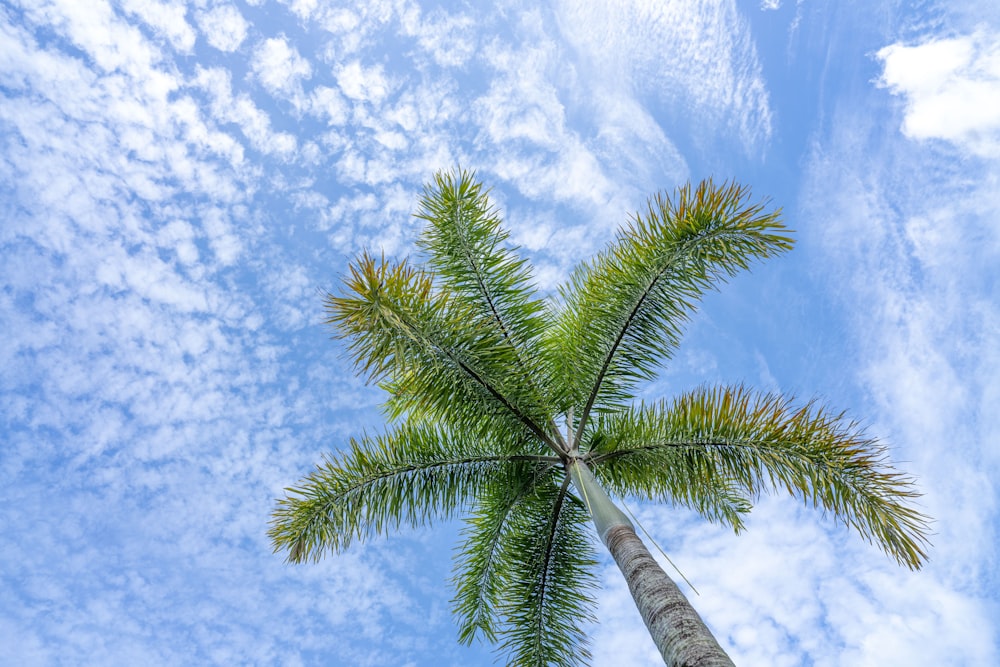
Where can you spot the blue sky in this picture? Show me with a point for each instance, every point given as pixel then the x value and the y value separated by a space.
pixel 179 182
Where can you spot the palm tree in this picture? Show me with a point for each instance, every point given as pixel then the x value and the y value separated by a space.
pixel 520 414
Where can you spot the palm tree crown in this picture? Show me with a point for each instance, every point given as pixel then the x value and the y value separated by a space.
pixel 518 412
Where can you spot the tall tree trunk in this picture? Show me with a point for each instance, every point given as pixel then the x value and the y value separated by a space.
pixel 678 631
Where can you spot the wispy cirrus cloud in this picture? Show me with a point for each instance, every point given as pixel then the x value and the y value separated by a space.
pixel 898 218
pixel 690 56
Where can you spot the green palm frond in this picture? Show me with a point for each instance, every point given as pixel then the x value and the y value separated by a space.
pixel 628 459
pixel 467 248
pixel 547 597
pixel 436 358
pixel 482 565
pixel 623 311
pixel 409 476
pixel 525 572
pixel 760 443
pixel 469 253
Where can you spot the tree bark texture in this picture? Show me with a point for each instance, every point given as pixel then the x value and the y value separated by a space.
pixel 678 631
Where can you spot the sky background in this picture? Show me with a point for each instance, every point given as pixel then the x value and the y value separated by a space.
pixel 179 183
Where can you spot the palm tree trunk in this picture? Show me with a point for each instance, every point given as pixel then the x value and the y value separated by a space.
pixel 678 631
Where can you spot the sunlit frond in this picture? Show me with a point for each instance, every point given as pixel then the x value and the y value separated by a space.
pixel 467 249
pixel 436 357
pixel 632 463
pixel 408 476
pixel 622 312
pixel 752 442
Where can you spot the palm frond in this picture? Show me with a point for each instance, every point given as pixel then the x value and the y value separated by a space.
pixel 482 565
pixel 467 249
pixel 752 443
pixel 622 313
pixel 628 459
pixel 408 476
pixel 437 359
pixel 547 595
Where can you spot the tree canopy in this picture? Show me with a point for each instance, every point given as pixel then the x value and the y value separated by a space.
pixel 494 393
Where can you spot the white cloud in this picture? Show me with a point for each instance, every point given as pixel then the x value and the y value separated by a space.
pixel 522 105
pixel 304 9
pixel 222 236
pixel 364 84
pixel 241 110
pixel 951 89
pixel 910 238
pixel 281 69
pixel 450 39
pixel 112 43
pixel 326 103
pixel 166 19
pixel 223 26
pixel 523 119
